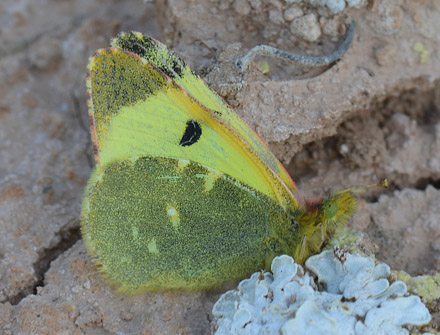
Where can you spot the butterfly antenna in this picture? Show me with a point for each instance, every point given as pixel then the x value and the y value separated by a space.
pixel 361 189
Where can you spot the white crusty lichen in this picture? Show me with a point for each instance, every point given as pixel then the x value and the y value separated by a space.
pixel 350 295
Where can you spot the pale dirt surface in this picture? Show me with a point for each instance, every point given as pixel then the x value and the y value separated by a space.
pixel 375 113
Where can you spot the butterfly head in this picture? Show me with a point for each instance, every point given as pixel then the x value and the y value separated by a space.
pixel 319 218
pixel 337 208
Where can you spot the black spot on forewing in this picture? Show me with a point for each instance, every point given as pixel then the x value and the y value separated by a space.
pixel 192 133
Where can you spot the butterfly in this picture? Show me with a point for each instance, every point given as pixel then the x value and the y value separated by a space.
pixel 185 195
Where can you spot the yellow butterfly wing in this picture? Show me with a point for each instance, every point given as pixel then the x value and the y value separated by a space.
pixel 151 224
pixel 174 67
pixel 184 194
pixel 136 110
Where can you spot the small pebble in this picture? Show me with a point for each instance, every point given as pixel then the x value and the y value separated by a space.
pixel 307 27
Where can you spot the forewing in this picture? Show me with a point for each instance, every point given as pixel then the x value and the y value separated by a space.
pixel 174 67
pixel 136 110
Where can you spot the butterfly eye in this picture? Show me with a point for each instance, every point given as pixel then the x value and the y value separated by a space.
pixel 330 208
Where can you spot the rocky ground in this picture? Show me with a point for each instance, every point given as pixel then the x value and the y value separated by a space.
pixel 374 114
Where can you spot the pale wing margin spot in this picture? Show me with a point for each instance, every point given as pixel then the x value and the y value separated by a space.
pixel 209 179
pixel 152 246
pixel 182 163
pixel 135 232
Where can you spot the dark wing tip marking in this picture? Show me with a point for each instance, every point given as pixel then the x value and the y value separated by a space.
pixel 192 133
pixel 141 46
pixel 153 51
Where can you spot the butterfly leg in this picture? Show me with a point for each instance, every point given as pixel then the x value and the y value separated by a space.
pixel 302 253
pixel 322 235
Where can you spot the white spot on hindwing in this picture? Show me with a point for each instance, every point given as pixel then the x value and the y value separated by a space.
pixel 173 214
pixel 172 211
